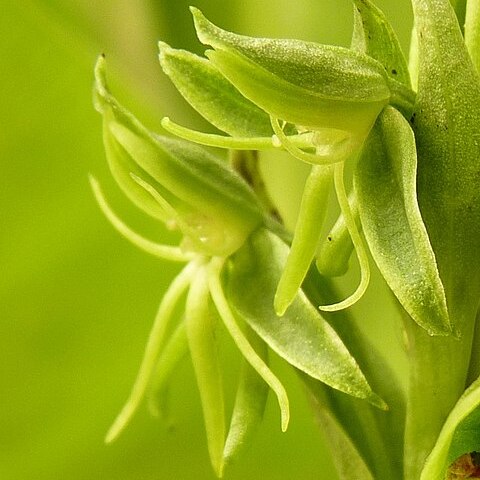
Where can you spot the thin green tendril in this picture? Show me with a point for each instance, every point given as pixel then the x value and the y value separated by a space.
pixel 166 252
pixel 154 346
pixel 334 154
pixel 237 143
pixel 221 303
pixel 175 349
pixel 357 243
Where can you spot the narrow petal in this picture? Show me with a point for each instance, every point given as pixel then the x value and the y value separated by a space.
pixel 154 346
pixel 307 233
pixel 200 323
pixel 166 252
pixel 242 343
pixel 357 243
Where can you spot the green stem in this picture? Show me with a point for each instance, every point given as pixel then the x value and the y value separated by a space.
pixel 246 163
pixel 438 374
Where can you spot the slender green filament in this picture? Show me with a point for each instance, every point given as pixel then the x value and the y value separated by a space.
pixel 237 143
pixel 154 347
pixel 221 303
pixel 357 243
pixel 166 252
pixel 325 154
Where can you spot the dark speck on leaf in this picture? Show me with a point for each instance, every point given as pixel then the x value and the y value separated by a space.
pixel 329 238
pixel 394 72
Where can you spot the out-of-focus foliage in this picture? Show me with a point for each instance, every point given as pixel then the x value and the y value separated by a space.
pixel 76 301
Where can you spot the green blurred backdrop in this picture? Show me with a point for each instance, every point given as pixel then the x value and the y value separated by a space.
pixel 76 300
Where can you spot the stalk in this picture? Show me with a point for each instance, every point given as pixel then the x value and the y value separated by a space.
pixel 438 374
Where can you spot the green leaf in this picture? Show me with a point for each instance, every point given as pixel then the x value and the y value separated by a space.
pixel 374 36
pixel 385 183
pixel 459 435
pixel 212 95
pixel 447 116
pixel 300 82
pixel 347 458
pixel 445 121
pixel 209 202
pixel 369 427
pixel 302 337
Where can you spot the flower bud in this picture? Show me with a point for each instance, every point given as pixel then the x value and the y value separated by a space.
pixel 194 191
pixel 304 83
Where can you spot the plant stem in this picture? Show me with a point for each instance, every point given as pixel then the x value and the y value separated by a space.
pixel 438 374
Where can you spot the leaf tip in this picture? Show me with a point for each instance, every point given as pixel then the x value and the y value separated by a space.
pixel 203 26
pixel 100 85
pixel 378 402
pixel 165 51
pixel 219 468
pixel 285 420
pixel 444 330
pixel 443 327
pixel 280 303
pixel 113 432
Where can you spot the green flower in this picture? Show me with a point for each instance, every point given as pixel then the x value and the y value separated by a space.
pixel 224 233
pixel 321 102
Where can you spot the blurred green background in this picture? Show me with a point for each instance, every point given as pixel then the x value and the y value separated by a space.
pixel 76 300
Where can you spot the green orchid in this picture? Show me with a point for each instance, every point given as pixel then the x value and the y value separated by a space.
pixel 221 222
pixel 329 97
pixel 353 116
